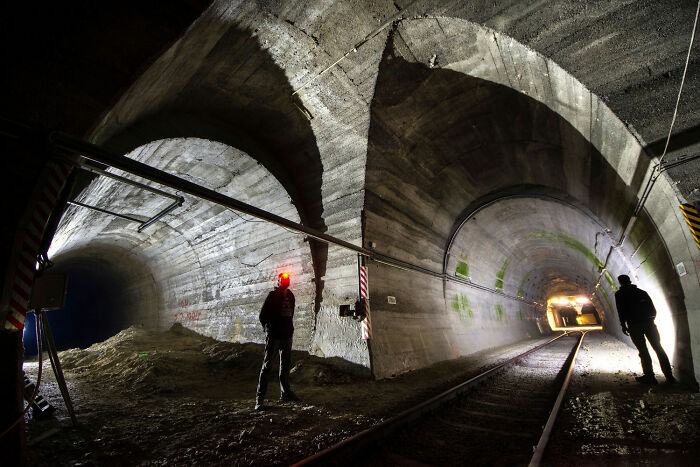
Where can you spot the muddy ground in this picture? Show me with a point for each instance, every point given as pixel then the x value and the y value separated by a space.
pixel 179 398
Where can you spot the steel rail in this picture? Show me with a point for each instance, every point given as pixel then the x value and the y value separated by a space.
pixel 536 459
pixel 95 153
pixel 386 428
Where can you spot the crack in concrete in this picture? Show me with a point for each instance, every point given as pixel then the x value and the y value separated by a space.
pixel 505 68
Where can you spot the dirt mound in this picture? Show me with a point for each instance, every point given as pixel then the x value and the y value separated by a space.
pixel 174 360
pixel 162 361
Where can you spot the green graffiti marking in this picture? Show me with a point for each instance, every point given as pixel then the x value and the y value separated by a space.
pixel 499 311
pixel 462 269
pixel 572 243
pixel 610 281
pixel 501 274
pixel 461 306
pixel 520 312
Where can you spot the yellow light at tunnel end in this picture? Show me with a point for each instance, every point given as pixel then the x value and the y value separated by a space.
pixel 572 301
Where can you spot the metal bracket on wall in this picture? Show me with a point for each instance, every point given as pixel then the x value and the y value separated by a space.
pixel 178 200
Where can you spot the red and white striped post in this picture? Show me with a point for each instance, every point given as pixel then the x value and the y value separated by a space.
pixel 364 295
pixel 28 241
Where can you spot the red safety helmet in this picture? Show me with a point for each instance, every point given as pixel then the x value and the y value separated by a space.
pixel 283 279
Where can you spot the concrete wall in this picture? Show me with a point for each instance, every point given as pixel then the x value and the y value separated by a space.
pixel 432 320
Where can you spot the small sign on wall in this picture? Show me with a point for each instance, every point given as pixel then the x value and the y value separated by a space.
pixel 391 300
pixel 680 267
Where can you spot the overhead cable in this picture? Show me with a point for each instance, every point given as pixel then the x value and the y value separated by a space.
pixel 656 171
pixel 357 46
pixel 658 168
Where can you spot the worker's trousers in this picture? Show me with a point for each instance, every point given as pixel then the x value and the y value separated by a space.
pixel 284 348
pixel 647 328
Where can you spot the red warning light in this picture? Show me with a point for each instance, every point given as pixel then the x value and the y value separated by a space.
pixel 285 275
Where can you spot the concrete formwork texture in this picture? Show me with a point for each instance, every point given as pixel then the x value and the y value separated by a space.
pixel 494 152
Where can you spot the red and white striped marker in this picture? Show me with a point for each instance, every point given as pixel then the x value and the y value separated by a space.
pixel 29 240
pixel 364 295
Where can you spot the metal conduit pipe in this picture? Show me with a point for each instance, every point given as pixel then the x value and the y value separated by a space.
pixel 105 211
pixel 90 151
pixel 129 182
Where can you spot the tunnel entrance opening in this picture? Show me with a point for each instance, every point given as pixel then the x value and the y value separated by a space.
pixel 102 286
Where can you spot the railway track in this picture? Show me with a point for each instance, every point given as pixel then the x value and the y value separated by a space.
pixel 499 417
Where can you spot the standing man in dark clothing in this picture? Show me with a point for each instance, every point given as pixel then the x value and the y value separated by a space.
pixel 277 318
pixel 637 315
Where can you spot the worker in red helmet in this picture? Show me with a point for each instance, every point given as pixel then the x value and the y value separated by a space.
pixel 277 319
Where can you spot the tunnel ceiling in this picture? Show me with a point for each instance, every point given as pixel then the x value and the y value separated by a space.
pixel 629 53
pixel 441 140
pixel 443 144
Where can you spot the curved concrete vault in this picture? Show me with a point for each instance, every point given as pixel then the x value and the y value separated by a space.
pixel 211 267
pixel 450 146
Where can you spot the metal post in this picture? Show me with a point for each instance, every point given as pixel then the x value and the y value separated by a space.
pixel 56 364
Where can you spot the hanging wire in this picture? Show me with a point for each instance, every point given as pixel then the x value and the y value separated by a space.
pixel 657 169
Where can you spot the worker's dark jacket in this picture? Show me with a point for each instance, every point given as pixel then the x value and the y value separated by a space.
pixel 277 314
pixel 634 305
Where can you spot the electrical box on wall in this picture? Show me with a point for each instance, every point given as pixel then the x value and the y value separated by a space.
pixel 357 313
pixel 49 292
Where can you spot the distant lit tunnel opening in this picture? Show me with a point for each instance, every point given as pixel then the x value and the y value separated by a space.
pixel 572 312
pixel 552 253
pixel 100 293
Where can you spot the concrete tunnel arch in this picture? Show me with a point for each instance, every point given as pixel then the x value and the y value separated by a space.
pixel 211 268
pixel 449 129
pixel 559 91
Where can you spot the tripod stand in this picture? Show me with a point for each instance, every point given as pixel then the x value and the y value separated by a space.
pixel 45 328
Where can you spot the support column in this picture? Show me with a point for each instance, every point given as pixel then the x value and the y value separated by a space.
pixel 12 445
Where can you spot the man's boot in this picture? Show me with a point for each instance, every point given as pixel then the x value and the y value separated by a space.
pixel 646 379
pixel 288 396
pixel 259 403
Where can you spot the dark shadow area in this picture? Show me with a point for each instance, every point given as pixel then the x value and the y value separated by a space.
pixel 104 295
pixel 90 313
pixel 67 63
